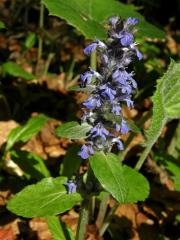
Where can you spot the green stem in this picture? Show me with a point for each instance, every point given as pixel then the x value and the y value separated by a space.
pixel 143 157
pixel 108 220
pixel 41 25
pixel 47 64
pixel 93 60
pixel 102 210
pixel 83 220
pixel 146 151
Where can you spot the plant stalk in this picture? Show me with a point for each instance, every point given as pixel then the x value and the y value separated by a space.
pixel 83 220
pixel 41 26
pixel 102 210
pixel 108 220
pixel 93 60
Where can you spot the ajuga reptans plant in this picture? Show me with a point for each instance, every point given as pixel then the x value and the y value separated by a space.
pixel 110 87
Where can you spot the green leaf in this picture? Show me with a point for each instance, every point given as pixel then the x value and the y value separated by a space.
pixel 166 105
pixel 71 162
pixel 16 70
pixel 46 198
pixel 30 40
pixel 32 165
pixel 73 130
pixel 59 230
pixel 89 16
pixel 137 185
pixel 166 89
pixel 56 228
pixel 109 172
pixel 2 25
pixel 24 133
pixel 171 91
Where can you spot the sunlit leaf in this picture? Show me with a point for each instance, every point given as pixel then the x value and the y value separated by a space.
pixel 89 16
pixel 25 132
pixel 73 130
pixel 16 70
pixel 46 198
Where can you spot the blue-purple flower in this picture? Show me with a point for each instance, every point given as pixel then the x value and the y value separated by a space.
pixel 86 151
pixel 71 186
pixel 126 38
pixel 112 86
pixel 93 46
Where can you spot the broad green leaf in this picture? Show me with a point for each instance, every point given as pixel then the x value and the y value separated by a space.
pixel 89 16
pixel 24 133
pixel 166 105
pixel 16 70
pixel 2 25
pixel 30 40
pixel 73 130
pixel 109 172
pixel 46 198
pixel 164 95
pixel 71 162
pixel 32 165
pixel 56 228
pixel 137 185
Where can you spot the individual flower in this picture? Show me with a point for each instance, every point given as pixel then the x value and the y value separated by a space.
pixel 126 38
pixel 86 151
pixel 124 127
pixel 71 186
pixel 86 78
pixel 92 47
pixel 99 131
pixel 132 21
pixel 107 91
pixel 93 102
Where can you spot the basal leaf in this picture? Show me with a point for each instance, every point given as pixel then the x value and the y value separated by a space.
pixel 73 130
pixel 46 198
pixel 89 16
pixel 32 165
pixel 24 133
pixel 109 172
pixel 16 70
pixel 137 185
